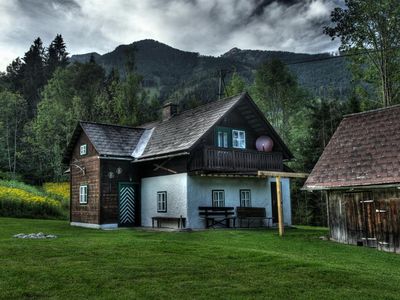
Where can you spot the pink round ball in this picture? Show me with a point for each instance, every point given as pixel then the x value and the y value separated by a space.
pixel 264 143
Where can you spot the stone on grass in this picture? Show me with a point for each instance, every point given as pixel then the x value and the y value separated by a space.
pixel 39 235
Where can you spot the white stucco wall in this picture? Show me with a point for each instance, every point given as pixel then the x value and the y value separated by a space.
pixel 287 205
pixel 176 187
pixel 186 193
pixel 200 194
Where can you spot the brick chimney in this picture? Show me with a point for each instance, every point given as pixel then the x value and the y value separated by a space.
pixel 169 110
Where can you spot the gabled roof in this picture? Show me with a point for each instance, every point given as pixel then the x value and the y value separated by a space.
pixel 178 134
pixel 182 131
pixel 365 150
pixel 108 140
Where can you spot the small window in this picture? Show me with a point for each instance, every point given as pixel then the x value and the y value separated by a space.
pixel 239 139
pixel 161 201
pixel 83 149
pixel 245 198
pixel 223 137
pixel 218 198
pixel 83 194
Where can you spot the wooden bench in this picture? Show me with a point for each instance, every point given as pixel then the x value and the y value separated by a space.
pixel 217 216
pixel 252 214
pixel 180 221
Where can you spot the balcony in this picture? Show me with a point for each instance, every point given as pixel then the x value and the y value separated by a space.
pixel 234 160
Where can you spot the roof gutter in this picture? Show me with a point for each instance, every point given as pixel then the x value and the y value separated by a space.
pixel 350 188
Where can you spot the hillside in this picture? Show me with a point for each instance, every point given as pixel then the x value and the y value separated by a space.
pixel 175 73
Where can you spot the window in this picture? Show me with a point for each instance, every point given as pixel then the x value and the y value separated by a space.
pixel 161 201
pixel 245 198
pixel 223 137
pixel 83 149
pixel 218 198
pixel 83 194
pixel 238 139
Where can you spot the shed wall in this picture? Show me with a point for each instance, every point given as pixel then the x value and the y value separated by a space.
pixel 368 218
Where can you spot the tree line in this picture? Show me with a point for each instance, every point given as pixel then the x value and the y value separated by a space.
pixel 43 97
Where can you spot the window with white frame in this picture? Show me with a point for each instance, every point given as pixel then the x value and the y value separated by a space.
pixel 83 149
pixel 161 201
pixel 239 139
pixel 245 198
pixel 218 198
pixel 83 194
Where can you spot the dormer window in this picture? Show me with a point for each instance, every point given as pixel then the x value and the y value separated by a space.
pixel 239 139
pixel 83 149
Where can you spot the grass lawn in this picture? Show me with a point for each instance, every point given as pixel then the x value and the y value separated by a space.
pixel 87 263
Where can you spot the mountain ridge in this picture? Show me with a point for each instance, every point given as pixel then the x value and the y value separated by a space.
pixel 174 74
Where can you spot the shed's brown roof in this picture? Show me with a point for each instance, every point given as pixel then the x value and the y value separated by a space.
pixel 365 150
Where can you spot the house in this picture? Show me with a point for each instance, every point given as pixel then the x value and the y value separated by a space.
pixel 359 171
pixel 206 156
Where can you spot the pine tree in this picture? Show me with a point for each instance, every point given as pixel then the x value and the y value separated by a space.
pixel 57 55
pixel 236 85
pixel 33 75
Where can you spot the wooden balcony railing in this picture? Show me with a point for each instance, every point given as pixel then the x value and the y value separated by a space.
pixel 234 160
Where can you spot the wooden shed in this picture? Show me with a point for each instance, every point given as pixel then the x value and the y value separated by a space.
pixel 359 171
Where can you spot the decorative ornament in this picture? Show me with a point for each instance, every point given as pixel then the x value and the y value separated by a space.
pixel 119 170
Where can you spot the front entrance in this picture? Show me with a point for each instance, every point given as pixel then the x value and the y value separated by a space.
pixel 127 204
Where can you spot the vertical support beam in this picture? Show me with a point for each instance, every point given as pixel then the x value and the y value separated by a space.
pixel 279 200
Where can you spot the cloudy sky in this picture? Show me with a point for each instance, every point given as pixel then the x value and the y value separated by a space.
pixel 210 27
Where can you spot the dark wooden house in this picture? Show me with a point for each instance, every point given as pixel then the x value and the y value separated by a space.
pixel 360 172
pixel 128 176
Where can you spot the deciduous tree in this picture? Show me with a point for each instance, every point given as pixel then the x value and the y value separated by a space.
pixel 370 30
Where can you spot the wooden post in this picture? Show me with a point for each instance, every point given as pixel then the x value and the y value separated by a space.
pixel 280 212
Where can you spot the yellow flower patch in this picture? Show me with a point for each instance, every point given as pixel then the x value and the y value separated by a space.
pixel 10 193
pixel 59 189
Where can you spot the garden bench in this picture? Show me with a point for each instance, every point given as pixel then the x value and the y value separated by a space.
pixel 252 214
pixel 180 221
pixel 217 216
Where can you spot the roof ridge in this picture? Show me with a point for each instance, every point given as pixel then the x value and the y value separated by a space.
pixel 372 111
pixel 111 125
pixel 211 102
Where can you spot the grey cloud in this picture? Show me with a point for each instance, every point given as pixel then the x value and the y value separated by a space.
pixel 210 27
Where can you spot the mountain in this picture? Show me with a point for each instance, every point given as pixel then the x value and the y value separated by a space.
pixel 177 74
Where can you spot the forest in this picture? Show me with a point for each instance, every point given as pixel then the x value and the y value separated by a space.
pixel 46 92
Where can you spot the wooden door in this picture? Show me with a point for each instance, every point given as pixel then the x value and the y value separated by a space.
pixel 274 203
pixel 127 204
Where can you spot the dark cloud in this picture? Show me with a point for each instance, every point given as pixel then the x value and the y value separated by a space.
pixel 207 26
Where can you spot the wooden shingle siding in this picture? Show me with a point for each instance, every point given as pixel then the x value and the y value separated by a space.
pixel 109 188
pixel 90 212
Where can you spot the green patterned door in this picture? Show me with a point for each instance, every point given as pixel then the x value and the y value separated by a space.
pixel 127 204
